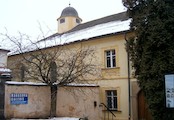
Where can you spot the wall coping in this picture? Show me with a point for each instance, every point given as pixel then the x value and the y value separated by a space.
pixel 44 84
pixel 25 83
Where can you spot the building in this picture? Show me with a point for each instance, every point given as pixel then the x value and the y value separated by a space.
pixel 118 89
pixel 5 75
pixel 3 62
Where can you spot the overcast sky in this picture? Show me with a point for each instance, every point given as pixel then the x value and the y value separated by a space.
pixel 26 15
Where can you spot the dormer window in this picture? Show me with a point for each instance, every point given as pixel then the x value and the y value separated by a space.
pixel 62 20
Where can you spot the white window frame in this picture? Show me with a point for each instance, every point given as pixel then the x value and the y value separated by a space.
pixel 111 57
pixel 112 96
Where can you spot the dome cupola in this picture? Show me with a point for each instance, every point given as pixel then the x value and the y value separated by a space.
pixel 69 11
pixel 68 19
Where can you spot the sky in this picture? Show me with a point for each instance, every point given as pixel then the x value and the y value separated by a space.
pixel 35 17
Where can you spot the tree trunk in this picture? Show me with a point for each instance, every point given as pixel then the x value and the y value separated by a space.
pixel 53 100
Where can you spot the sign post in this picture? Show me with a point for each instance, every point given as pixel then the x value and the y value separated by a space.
pixel 169 90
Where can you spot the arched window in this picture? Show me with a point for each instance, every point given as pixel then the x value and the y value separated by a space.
pixel 22 69
pixel 53 72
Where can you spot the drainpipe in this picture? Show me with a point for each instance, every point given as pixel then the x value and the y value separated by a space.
pixel 128 72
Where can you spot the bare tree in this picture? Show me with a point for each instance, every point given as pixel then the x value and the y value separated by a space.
pixel 55 65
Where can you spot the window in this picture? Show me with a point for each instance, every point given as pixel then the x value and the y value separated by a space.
pixel 53 72
pixel 77 21
pixel 111 97
pixel 62 20
pixel 110 59
pixel 23 69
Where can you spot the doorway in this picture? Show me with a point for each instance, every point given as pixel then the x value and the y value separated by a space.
pixel 143 111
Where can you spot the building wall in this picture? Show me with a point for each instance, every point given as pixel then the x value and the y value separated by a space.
pixel 79 102
pixel 3 58
pixel 69 23
pixel 135 91
pixel 107 78
pixel 113 78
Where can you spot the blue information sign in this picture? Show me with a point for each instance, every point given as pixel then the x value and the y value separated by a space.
pixel 169 89
pixel 18 98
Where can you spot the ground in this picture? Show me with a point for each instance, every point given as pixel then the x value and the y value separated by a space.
pixel 60 118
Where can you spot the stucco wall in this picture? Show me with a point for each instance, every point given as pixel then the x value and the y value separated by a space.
pixel 72 101
pixel 3 58
pixel 79 102
pixel 38 102
pixel 70 22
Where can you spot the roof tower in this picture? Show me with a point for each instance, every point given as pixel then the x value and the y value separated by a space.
pixel 68 19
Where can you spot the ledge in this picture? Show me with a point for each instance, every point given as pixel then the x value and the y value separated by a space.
pixel 113 110
pixel 110 72
pixel 110 68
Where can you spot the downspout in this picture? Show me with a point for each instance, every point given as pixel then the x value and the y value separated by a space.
pixel 128 72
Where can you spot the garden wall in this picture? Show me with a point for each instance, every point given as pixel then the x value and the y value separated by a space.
pixel 32 100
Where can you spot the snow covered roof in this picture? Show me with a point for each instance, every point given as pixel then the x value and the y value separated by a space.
pixel 3 49
pixel 3 70
pixel 115 17
pixel 25 83
pixel 43 84
pixel 82 85
pixel 85 34
pixel 84 31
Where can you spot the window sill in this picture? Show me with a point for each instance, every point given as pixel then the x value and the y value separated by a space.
pixel 113 110
pixel 110 68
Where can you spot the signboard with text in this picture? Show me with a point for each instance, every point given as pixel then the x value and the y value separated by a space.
pixel 169 90
pixel 18 98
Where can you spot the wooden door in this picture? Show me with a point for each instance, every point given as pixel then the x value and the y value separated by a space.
pixel 143 111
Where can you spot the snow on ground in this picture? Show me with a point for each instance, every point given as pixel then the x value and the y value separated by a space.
pixel 60 118
pixel 64 118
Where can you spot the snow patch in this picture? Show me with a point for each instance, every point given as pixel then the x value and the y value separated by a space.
pixel 24 83
pixel 82 85
pixel 35 83
pixel 4 70
pixel 60 118
pixel 64 118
